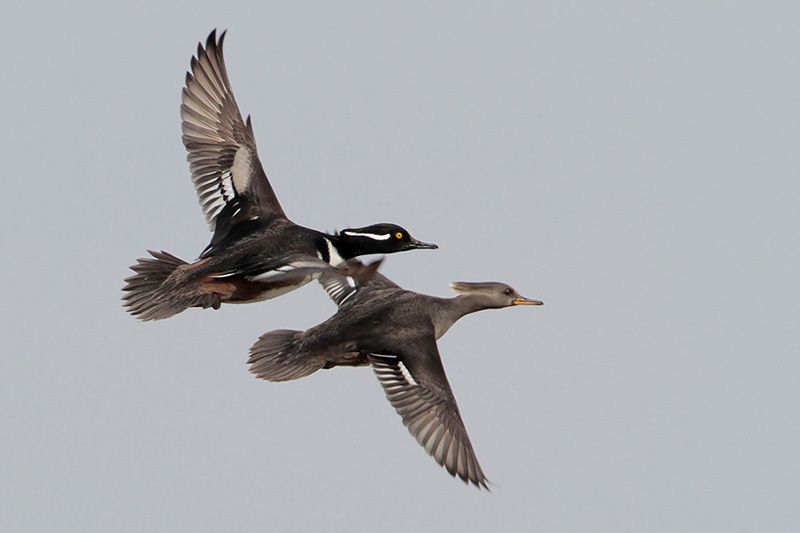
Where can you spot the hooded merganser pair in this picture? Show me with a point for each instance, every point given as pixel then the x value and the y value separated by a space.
pixel 254 243
pixel 395 332
pixel 257 253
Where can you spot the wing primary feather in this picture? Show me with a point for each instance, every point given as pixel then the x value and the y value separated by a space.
pixel 213 134
pixel 416 385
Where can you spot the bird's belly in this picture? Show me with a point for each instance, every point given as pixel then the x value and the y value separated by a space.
pixel 354 358
pixel 240 290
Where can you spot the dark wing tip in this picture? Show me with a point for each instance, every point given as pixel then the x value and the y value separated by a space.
pixel 213 44
pixel 429 412
pixel 212 38
pixel 475 477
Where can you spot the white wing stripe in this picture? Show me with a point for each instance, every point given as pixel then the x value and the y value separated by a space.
pixel 406 374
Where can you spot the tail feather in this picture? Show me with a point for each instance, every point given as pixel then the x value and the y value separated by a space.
pixel 147 297
pixel 278 356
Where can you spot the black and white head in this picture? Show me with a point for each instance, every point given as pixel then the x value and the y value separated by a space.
pixel 491 294
pixel 379 239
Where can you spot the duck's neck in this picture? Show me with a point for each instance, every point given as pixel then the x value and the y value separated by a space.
pixel 452 309
pixel 346 248
pixel 465 304
pixel 333 250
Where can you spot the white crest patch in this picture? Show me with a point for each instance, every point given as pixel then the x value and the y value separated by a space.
pixel 373 236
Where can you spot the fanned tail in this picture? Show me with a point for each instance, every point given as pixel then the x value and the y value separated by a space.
pixel 277 356
pixel 149 295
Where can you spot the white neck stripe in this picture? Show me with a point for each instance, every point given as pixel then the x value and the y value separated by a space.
pixel 333 254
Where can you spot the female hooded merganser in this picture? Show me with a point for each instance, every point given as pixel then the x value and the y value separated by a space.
pixel 253 239
pixel 394 331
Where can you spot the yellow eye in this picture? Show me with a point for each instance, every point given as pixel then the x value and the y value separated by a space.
pixel 398 235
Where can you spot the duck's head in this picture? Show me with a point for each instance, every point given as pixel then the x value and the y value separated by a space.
pixel 491 294
pixel 379 239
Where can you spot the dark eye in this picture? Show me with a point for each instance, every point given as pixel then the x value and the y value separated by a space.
pixel 508 291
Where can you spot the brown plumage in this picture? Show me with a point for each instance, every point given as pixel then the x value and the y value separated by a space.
pixel 394 331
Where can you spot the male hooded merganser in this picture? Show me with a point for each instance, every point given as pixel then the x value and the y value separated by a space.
pixel 253 239
pixel 394 331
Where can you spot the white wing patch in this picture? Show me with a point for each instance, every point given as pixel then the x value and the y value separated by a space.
pixel 373 236
pixel 349 295
pixel 284 269
pixel 242 168
pixel 302 264
pixel 221 276
pixel 226 190
pixel 385 373
pixel 216 200
pixel 265 276
pixel 339 288
pixel 406 373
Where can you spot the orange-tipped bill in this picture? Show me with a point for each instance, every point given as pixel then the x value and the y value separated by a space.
pixel 526 301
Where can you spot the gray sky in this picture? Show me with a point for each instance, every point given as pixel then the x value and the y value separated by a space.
pixel 634 165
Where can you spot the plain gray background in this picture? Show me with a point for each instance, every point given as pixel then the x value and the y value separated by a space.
pixel 633 164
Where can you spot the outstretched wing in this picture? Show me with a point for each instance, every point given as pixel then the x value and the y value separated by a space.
pixel 226 171
pixel 417 387
pixel 340 288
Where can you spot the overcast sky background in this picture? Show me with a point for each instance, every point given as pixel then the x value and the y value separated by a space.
pixel 633 164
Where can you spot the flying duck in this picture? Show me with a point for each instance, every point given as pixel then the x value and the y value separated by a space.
pixel 254 243
pixel 395 332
